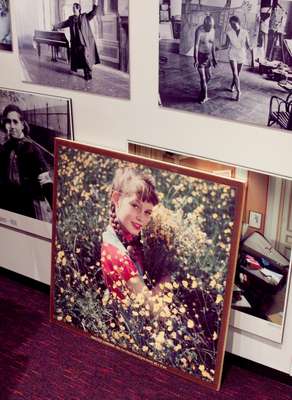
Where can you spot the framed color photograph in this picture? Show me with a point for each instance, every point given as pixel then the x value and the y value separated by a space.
pixel 80 45
pixel 5 26
pixel 228 58
pixel 144 256
pixel 29 124
pixel 264 261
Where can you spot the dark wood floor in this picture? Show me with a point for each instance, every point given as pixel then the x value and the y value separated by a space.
pixel 180 88
pixel 43 361
pixel 106 81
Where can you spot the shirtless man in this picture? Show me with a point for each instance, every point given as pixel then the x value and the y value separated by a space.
pixel 204 54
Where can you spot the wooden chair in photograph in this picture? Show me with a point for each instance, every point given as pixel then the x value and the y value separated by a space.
pixel 280 112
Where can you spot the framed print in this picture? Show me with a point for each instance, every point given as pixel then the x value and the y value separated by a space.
pixel 5 26
pixel 263 268
pixel 29 124
pixel 255 219
pixel 228 59
pixel 144 256
pixel 80 45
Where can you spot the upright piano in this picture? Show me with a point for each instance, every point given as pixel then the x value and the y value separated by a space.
pixel 54 39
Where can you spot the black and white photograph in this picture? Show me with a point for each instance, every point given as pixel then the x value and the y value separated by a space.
pixel 29 124
pixel 5 26
pixel 227 58
pixel 80 45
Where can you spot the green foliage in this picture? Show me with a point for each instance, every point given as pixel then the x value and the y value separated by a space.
pixel 187 244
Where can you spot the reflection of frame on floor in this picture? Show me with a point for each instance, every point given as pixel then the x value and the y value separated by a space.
pixel 264 73
pixel 144 256
pixel 261 290
pixel 94 59
pixel 29 124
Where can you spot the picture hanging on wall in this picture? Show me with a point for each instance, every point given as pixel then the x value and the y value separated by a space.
pixel 29 124
pixel 263 266
pixel 5 26
pixel 144 256
pixel 227 58
pixel 80 45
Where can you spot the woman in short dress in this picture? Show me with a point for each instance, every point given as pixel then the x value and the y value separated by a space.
pixel 237 42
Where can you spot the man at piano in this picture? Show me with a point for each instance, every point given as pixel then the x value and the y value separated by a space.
pixel 84 52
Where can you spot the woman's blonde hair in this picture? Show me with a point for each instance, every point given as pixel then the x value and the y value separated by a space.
pixel 129 181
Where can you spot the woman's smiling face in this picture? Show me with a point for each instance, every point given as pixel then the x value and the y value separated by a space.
pixel 132 213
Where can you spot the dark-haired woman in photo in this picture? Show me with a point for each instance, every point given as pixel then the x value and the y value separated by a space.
pixel 24 174
pixel 237 42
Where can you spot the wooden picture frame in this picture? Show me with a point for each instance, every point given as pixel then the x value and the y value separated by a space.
pixel 175 317
pixel 255 220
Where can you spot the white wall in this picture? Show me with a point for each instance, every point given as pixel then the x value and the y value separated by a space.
pixel 108 122
pixel 27 26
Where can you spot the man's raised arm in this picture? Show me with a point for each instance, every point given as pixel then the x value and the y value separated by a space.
pixel 92 13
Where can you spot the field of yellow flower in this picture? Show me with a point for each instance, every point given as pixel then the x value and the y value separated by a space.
pixel 186 248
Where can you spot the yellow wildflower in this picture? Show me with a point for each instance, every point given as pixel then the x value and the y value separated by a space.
pixel 173 335
pixel 190 323
pixel 68 318
pixel 182 309
pixel 219 299
pixel 194 284
pixel 168 285
pixel 212 283
pixel 168 298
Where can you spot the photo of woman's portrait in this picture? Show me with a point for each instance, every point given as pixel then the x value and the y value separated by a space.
pixel 143 257
pixel 29 123
pixel 26 180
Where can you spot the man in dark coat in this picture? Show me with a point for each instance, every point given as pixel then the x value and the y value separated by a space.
pixel 83 48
